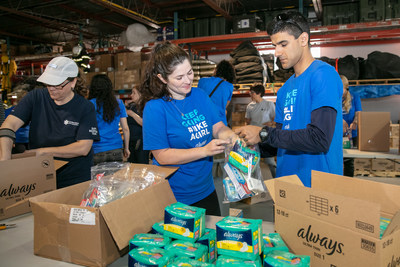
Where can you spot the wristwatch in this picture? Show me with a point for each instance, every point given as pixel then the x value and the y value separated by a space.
pixel 263 134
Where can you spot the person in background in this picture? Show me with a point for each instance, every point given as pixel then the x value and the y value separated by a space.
pixel 219 87
pixel 110 113
pixel 351 105
pixel 261 112
pixel 2 113
pixel 182 127
pixel 81 86
pixel 135 122
pixel 22 135
pixel 308 133
pixel 62 123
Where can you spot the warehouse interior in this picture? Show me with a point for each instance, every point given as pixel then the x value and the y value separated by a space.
pixel 360 39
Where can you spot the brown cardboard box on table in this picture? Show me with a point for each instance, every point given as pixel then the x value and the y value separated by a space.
pixel 22 177
pixel 374 131
pixel 337 221
pixel 96 236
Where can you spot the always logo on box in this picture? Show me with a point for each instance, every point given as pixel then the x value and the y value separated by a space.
pixel 329 244
pixel 13 190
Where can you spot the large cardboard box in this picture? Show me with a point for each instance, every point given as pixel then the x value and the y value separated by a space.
pixel 337 221
pixel 128 61
pixel 125 80
pixel 104 63
pixel 22 177
pixel 96 236
pixel 373 131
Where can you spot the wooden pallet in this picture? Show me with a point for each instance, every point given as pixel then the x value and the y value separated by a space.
pixel 371 173
pixel 374 81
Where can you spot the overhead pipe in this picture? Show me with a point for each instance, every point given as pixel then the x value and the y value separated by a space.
pixel 128 12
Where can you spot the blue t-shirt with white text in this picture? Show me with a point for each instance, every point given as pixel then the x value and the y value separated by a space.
pixel 164 127
pixel 318 86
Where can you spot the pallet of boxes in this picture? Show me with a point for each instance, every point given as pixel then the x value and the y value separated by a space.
pixel 124 69
pixel 377 134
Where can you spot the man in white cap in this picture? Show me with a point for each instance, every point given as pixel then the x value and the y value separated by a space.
pixel 62 123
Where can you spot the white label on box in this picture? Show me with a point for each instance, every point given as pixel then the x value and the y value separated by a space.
pixel 82 216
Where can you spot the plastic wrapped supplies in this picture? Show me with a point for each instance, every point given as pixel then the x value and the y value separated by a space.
pixel 242 172
pixel 115 180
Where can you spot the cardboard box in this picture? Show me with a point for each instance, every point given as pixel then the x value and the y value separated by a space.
pixel 394 142
pixel 96 236
pixel 258 198
pixel 382 165
pixel 125 80
pixel 336 221
pixel 128 61
pixel 373 131
pixel 22 177
pixel 362 164
pixel 394 130
pixel 236 213
pixel 104 63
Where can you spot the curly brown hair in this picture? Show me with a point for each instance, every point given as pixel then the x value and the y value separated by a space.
pixel 163 60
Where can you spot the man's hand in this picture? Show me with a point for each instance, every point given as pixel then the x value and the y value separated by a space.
pixel 250 134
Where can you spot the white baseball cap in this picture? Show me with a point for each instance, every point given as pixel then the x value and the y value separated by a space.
pixel 58 70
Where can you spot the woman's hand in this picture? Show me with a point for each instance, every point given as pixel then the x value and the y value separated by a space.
pixel 215 147
pixel 345 127
pixel 127 152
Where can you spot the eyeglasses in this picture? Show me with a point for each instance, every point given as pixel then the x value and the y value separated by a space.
pixel 59 87
pixel 285 18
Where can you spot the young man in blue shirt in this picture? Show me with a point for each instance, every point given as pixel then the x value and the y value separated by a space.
pixel 309 132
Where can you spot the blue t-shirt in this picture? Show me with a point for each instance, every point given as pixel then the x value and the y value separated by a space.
pixel 165 127
pixel 110 138
pixel 318 86
pixel 221 96
pixel 355 107
pixel 53 125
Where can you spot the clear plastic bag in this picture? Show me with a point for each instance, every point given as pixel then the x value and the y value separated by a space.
pixel 242 173
pixel 115 180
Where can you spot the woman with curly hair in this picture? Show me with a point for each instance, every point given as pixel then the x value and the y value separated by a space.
pixel 181 126
pixel 110 113
pixel 219 87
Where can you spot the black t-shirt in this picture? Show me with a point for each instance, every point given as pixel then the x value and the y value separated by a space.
pixel 52 125
pixel 135 129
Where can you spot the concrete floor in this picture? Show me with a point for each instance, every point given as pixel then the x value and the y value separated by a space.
pixel 264 210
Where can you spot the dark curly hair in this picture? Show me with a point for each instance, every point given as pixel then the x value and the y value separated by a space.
pixel 163 60
pixel 292 22
pixel 101 88
pixel 226 71
pixel 258 88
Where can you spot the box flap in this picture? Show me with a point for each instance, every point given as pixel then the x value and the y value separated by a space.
pixel 387 195
pixel 135 213
pixel 393 226
pixel 270 184
pixel 351 213
pixel 59 163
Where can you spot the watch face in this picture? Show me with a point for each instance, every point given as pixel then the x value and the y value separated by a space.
pixel 263 133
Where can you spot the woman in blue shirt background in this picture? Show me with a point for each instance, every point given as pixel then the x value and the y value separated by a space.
pixel 351 105
pixel 110 113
